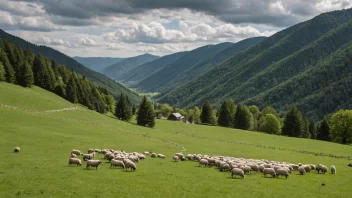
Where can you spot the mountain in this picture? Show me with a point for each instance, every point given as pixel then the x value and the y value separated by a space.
pixel 158 80
pixel 142 72
pixel 118 70
pixel 97 63
pixel 308 65
pixel 98 79
pixel 207 64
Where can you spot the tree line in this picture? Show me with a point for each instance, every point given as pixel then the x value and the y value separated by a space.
pixel 336 128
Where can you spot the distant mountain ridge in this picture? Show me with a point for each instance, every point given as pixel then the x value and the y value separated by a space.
pixel 98 79
pixel 308 65
pixel 97 63
pixel 118 70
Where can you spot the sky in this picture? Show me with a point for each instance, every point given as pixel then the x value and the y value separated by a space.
pixel 125 28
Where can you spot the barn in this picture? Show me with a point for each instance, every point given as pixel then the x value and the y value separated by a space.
pixel 176 117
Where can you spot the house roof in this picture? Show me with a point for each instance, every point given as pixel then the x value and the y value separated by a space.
pixel 177 115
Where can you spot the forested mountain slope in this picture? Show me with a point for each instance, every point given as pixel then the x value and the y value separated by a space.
pixel 97 63
pixel 117 71
pixel 157 81
pixel 290 67
pixel 98 79
pixel 142 72
pixel 209 63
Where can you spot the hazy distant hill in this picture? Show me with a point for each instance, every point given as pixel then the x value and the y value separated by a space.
pixel 97 63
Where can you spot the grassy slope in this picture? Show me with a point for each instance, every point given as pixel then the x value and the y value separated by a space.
pixel 46 139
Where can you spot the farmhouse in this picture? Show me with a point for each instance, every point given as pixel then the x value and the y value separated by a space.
pixel 176 117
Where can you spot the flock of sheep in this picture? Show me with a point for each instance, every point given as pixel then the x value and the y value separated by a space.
pixel 241 166
pixel 237 166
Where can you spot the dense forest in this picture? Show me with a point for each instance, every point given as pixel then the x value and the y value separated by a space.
pixel 307 65
pixel 96 78
pixel 25 68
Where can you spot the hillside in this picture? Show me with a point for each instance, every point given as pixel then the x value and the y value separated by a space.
pixel 142 72
pixel 208 64
pixel 98 79
pixel 97 63
pixel 118 70
pixel 297 66
pixel 46 138
pixel 157 81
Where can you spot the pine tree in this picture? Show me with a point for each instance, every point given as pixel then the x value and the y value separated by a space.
pixel 2 72
pixel 313 130
pixel 306 133
pixel 60 91
pixel 243 118
pixel 207 113
pixel 29 56
pixel 71 90
pixel 27 76
pixel 196 115
pixel 293 123
pixel 145 115
pixel 225 117
pixel 40 71
pixel 121 109
pixel 9 71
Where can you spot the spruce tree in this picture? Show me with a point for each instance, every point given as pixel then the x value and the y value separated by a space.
pixel 60 91
pixel 145 114
pixel 225 117
pixel 207 113
pixel 293 123
pixel 324 130
pixel 71 90
pixel 243 118
pixel 27 76
pixel 121 108
pixel 313 130
pixel 2 72
pixel 196 115
pixel 29 56
pixel 9 71
pixel 41 74
pixel 306 133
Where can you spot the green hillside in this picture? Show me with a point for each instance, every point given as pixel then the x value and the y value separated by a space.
pixel 98 79
pixel 142 72
pixel 34 120
pixel 117 71
pixel 159 80
pixel 297 66
pixel 97 63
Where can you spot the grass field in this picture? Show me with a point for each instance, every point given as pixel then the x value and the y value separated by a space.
pixel 46 139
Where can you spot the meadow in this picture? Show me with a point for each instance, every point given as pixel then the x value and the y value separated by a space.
pixel 47 137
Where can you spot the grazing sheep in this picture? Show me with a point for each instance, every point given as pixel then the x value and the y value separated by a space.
pixel 261 168
pixel 87 157
pixel 77 152
pixel 295 167
pixel 302 170
pixel 225 167
pixel 197 157
pixel 269 171
pixel 247 169
pixel 282 171
pixel 237 171
pixel 90 151
pixel 74 161
pixel 254 167
pixel 307 168
pixel 324 169
pixel 118 163
pixel 318 167
pixel 130 164
pixel 141 156
pixel 267 166
pixel 16 149
pixel 97 150
pixel 93 163
pixel 203 162
pixel 153 155
pixel 73 155
pixel 190 157
pixel 146 153
pixel 312 166
pixel 161 156
pixel 333 169
pixel 300 164
pixel 175 158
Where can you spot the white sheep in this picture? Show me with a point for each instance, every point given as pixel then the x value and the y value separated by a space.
pixel 246 169
pixel 324 169
pixel 73 155
pixel 333 169
pixel 225 167
pixel 301 170
pixel 161 156
pixel 16 149
pixel 261 168
pixel 237 171
pixel 270 171
pixel 307 168
pixel 318 167
pixel 93 163
pixel 118 163
pixel 146 153
pixel 203 162
pixel 87 157
pixel 74 161
pixel 312 166
pixel 130 164
pixel 153 155
pixel 90 151
pixel 77 152
pixel 254 167
pixel 282 171
pixel 175 158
